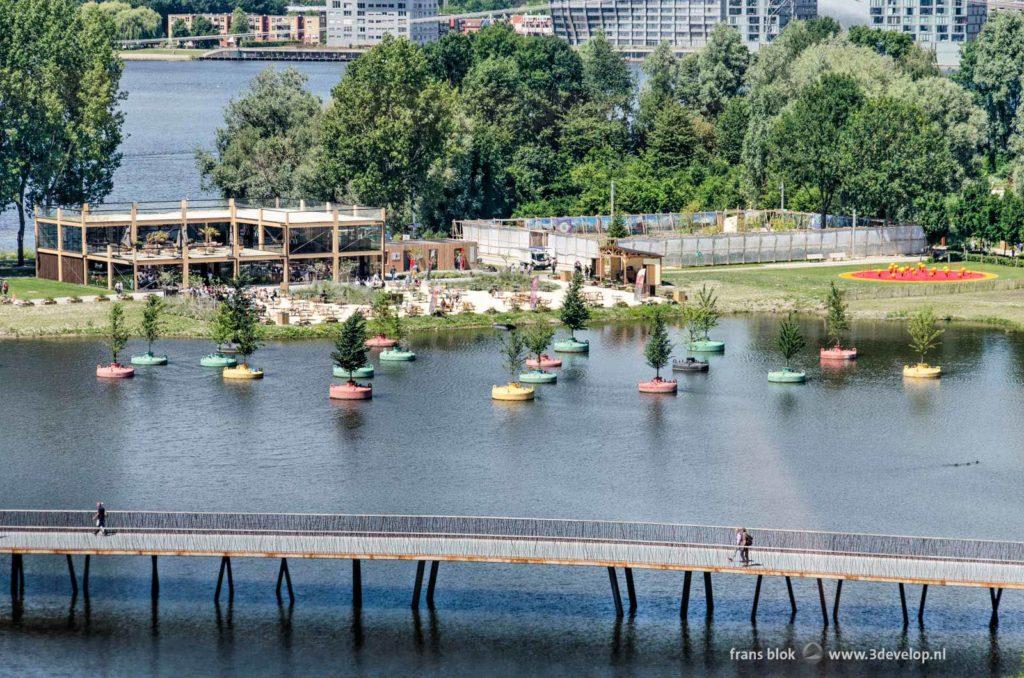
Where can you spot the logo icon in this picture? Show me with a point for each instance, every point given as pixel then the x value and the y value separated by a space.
pixel 813 652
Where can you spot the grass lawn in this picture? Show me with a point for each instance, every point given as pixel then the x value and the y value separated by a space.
pixel 801 285
pixel 38 288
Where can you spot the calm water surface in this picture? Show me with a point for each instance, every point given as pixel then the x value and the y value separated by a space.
pixel 171 109
pixel 854 449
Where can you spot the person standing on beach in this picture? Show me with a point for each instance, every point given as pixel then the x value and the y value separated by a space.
pixel 100 518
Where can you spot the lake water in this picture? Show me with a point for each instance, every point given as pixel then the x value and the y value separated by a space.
pixel 171 109
pixel 852 450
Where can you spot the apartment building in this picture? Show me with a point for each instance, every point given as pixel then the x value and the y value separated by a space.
pixel 639 25
pixel 364 23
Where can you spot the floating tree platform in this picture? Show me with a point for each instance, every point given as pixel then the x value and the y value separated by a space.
pixel 659 385
pixel 512 391
pixel 690 365
pixel 787 376
pixel 149 359
pixel 365 372
pixel 545 362
pixel 217 360
pixel 242 372
pixel 381 341
pixel 706 346
pixel 114 371
pixel 397 355
pixel 837 354
pixel 351 392
pixel 922 371
pixel 572 346
pixel 538 377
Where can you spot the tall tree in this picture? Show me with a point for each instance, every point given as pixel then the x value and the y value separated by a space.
pixel 117 336
pixel 992 67
pixel 836 322
pixel 350 345
pixel 662 70
pixel 894 156
pixel 263 151
pixel 658 349
pixel 388 121
pixel 152 322
pixel 717 72
pixel 806 140
pixel 574 313
pixel 239 22
pixel 605 74
pixel 790 339
pixel 672 143
pixel 60 126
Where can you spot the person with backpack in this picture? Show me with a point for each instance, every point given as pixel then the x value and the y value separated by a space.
pixel 100 518
pixel 743 542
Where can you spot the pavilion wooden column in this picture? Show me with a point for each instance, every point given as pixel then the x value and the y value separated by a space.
pixel 60 246
pixel 335 252
pixel 85 243
pixel 234 237
pixel 286 251
pixel 35 226
pixel 110 267
pixel 184 244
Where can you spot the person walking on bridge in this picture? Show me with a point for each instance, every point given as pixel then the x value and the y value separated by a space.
pixel 743 542
pixel 100 518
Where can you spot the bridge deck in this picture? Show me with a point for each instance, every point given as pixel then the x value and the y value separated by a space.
pixel 937 561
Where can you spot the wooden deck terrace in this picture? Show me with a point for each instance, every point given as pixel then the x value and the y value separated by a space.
pixel 902 560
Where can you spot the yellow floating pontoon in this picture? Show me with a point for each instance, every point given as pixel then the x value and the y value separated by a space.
pixel 512 391
pixel 922 371
pixel 242 372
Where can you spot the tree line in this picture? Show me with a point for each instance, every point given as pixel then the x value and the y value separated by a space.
pixel 496 124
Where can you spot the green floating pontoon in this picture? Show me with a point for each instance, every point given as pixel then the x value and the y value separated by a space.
pixel 572 346
pixel 397 355
pixel 787 376
pixel 364 372
pixel 149 359
pixel 706 346
pixel 218 360
pixel 538 377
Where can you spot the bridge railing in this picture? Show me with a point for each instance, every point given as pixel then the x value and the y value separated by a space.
pixel 465 527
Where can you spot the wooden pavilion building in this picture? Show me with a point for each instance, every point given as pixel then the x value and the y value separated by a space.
pixel 141 244
pixel 622 265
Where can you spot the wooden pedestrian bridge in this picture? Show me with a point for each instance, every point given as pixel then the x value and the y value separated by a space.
pixel 902 560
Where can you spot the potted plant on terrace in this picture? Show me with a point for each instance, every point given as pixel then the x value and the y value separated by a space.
pixel 349 358
pixel 537 340
pixel 513 351
pixel 208 232
pixel 790 341
pixel 574 314
pixel 117 338
pixel 924 336
pixel 152 325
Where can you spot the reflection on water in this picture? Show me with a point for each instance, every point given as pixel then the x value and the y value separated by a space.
pixel 856 448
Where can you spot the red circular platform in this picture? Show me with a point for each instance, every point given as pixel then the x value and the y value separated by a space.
pixel 916 274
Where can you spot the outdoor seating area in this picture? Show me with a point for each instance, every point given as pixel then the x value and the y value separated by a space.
pixel 426 298
pixel 271 243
